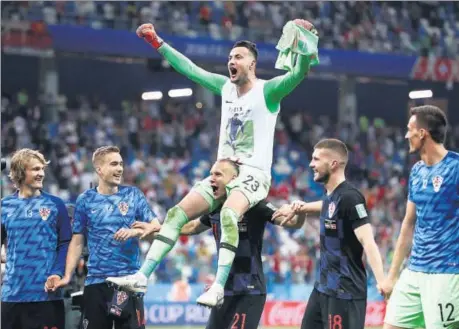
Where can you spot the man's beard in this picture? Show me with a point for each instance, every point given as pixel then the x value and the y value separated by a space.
pixel 418 150
pixel 324 178
pixel 242 80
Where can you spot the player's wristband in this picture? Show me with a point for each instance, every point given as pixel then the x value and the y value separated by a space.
pixel 156 42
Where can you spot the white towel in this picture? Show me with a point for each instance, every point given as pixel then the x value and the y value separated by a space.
pixel 296 40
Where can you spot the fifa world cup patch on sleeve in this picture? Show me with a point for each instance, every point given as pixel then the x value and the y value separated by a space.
pixel 271 206
pixel 361 211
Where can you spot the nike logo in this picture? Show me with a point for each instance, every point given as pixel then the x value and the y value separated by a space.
pixel 93 211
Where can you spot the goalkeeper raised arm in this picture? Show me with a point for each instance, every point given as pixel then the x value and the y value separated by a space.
pixel 250 107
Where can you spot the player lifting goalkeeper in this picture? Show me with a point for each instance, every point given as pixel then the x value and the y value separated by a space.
pixel 249 111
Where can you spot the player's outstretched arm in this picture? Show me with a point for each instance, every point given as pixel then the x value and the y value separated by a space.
pixel 296 222
pixel 194 227
pixel 64 233
pixel 307 207
pixel 73 257
pixel 365 236
pixel 147 230
pixel 287 212
pixel 212 81
pixel 146 224
pixel 404 241
pixel 279 87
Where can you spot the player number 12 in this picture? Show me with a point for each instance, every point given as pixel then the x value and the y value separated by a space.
pixel 450 316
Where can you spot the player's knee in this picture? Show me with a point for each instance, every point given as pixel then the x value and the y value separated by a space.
pixel 176 217
pixel 228 221
pixel 228 217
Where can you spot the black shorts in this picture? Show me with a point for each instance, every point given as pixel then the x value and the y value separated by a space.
pixel 237 312
pixel 326 312
pixel 97 304
pixel 33 315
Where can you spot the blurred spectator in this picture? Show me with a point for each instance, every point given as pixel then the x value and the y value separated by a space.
pixel 423 27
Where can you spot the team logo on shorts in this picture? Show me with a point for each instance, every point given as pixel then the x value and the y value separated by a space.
pixel 331 209
pixel 437 181
pixel 121 297
pixel 123 207
pixel 44 213
pixel 85 323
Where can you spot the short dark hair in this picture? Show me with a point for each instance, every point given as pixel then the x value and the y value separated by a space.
pixel 433 119
pixel 249 45
pixel 334 145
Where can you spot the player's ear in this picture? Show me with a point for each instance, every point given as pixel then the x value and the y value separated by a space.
pixel 335 164
pixel 422 133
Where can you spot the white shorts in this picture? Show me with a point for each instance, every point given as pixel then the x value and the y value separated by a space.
pixel 252 182
pixel 422 300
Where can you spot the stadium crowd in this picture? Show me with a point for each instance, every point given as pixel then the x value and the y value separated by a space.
pixel 421 27
pixel 168 146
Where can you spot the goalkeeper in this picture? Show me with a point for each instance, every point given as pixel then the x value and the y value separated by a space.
pixel 249 110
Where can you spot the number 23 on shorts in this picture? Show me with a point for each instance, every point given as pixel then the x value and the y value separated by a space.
pixel 251 184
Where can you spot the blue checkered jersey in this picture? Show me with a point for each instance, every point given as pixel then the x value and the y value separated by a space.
pixel 342 273
pixel 99 217
pixel 37 232
pixel 435 192
pixel 246 276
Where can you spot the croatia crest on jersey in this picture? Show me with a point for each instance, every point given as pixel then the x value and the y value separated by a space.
pixel 123 207
pixel 436 182
pixel 121 297
pixel 44 213
pixel 331 209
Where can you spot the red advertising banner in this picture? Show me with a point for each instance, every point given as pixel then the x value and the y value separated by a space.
pixel 436 69
pixel 290 313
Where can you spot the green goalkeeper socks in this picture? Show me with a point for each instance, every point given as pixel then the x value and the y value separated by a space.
pixel 228 244
pixel 165 240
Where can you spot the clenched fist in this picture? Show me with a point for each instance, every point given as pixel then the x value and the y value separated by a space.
pixel 148 33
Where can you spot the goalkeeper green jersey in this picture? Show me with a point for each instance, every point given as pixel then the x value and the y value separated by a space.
pixel 247 122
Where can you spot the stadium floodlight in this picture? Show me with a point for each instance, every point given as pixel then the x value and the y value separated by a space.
pixel 417 94
pixel 152 95
pixel 185 92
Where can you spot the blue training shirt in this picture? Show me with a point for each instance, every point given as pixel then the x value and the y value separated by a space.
pixel 38 233
pixel 99 217
pixel 435 192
